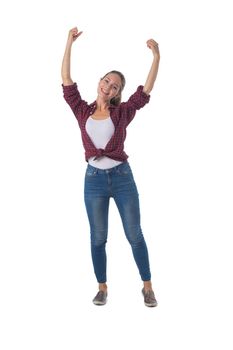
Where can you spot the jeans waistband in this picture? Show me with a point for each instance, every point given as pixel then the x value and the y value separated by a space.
pixel 110 170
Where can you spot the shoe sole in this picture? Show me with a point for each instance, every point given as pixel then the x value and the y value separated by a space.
pixel 151 305
pixel 99 303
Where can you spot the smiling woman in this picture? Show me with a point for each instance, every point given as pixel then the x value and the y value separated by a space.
pixel 109 89
pixel 103 126
pixel 117 80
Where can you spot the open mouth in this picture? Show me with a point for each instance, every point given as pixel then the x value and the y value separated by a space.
pixel 104 92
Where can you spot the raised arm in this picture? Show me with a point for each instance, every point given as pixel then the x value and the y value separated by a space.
pixel 65 69
pixel 152 44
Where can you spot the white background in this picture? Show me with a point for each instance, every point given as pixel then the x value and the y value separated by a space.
pixel 180 148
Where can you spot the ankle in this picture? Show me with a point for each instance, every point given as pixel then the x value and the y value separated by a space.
pixel 103 287
pixel 147 285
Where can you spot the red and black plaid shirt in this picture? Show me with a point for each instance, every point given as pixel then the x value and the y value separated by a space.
pixel 121 116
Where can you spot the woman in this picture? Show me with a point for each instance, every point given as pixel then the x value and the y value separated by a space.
pixel 103 128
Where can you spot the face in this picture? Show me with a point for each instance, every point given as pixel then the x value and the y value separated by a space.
pixel 109 86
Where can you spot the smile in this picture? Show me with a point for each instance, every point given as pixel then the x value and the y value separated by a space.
pixel 104 92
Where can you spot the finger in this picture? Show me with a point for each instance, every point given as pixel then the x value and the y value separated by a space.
pixel 152 41
pixel 152 46
pixel 74 30
pixel 76 35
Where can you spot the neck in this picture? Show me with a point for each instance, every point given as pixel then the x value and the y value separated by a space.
pixel 102 105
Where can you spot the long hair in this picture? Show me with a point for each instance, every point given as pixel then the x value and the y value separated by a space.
pixel 117 100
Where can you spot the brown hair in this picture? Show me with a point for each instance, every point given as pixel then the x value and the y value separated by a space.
pixel 117 100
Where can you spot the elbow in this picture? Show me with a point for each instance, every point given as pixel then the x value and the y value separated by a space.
pixel 147 89
pixel 65 75
pixel 67 81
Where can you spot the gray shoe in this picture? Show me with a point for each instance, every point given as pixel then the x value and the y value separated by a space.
pixel 100 298
pixel 149 298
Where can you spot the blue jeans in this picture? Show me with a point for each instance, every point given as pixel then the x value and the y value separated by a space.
pixel 100 186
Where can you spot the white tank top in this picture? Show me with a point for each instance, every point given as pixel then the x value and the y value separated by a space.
pixel 100 132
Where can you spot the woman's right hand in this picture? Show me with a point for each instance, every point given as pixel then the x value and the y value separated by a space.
pixel 65 70
pixel 73 34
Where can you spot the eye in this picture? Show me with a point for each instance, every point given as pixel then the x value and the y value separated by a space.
pixel 106 80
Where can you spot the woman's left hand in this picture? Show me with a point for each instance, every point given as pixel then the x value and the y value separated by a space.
pixel 154 46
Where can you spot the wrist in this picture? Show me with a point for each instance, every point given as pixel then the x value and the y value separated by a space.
pixel 156 56
pixel 70 41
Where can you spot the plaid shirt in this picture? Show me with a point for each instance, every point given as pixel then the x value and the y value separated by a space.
pixel 121 116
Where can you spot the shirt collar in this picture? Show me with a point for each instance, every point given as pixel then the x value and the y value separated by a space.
pixel 93 106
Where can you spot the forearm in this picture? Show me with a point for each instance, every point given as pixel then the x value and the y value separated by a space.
pixel 65 70
pixel 149 84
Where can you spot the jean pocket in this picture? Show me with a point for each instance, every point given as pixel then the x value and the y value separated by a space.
pixel 91 172
pixel 124 170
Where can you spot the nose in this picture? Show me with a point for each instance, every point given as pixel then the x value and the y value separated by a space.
pixel 106 87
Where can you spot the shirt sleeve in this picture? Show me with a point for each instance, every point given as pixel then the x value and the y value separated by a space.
pixel 74 100
pixel 134 103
